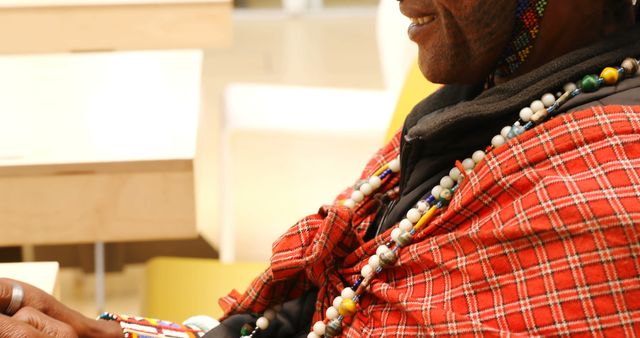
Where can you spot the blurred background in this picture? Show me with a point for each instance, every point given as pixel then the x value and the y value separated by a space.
pixel 151 151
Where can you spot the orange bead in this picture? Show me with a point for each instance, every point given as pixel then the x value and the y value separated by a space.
pixel 347 308
pixel 610 76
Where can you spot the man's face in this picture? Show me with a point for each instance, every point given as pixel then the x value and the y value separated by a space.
pixel 460 41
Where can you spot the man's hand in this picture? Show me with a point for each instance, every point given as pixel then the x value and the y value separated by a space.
pixel 42 313
pixel 29 322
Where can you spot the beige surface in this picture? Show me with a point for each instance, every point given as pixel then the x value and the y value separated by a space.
pixel 43 275
pixel 335 48
pixel 63 26
pixel 303 139
pixel 124 290
pixel 278 178
pixel 106 151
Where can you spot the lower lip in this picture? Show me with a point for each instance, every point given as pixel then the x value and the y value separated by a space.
pixel 415 30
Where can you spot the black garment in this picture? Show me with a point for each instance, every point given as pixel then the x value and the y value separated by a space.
pixel 293 321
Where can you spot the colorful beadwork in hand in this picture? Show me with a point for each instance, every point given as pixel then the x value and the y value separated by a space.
pixel 139 327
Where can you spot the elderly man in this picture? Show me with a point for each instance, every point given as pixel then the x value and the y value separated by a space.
pixel 508 204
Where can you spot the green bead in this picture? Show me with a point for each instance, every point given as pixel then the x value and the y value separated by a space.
pixel 246 329
pixel 446 195
pixel 590 83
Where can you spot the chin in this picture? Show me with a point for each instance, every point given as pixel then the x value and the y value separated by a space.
pixel 449 73
pixel 446 68
pixel 442 73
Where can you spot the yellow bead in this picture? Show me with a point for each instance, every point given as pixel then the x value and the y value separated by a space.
pixel 610 76
pixel 347 307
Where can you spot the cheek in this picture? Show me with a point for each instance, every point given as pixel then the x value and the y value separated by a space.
pixel 441 66
pixel 485 29
pixel 469 41
pixel 481 20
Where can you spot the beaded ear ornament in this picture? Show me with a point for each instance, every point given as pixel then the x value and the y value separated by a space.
pixel 418 218
pixel 529 14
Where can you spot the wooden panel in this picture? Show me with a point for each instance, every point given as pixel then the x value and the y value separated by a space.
pixel 87 207
pixel 114 27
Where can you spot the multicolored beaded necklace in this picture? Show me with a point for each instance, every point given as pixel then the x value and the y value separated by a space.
pixel 527 25
pixel 419 217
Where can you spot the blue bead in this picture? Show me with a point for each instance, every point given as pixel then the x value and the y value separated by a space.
pixel 515 131
pixel 528 126
pixel 385 173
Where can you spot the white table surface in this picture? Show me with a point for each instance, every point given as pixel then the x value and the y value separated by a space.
pixel 98 147
pixel 42 275
pixel 102 107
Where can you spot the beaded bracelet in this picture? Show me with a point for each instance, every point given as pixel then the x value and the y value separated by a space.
pixel 141 327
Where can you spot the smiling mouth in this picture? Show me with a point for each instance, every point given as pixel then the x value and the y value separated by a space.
pixel 423 20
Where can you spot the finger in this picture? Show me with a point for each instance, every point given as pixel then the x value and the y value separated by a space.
pixel 44 303
pixel 44 323
pixel 11 328
pixel 6 292
pixel 33 296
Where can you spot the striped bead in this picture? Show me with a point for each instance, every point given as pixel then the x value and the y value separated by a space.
pixel 404 239
pixel 333 329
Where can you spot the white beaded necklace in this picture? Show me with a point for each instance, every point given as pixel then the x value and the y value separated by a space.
pixel 418 217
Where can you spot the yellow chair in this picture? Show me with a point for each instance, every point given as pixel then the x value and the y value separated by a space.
pixel 177 288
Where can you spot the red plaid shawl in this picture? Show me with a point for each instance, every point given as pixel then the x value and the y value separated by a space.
pixel 541 239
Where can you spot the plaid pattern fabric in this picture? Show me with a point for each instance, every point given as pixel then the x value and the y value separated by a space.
pixel 541 239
